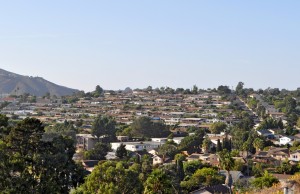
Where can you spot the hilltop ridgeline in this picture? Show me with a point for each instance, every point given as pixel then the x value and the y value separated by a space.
pixel 11 83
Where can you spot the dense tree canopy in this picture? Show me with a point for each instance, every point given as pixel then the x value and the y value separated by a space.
pixel 145 127
pixel 31 165
pixel 112 178
pixel 218 127
pixel 104 126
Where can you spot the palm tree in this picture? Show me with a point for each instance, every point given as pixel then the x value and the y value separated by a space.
pixel 206 145
pixel 258 144
pixel 227 163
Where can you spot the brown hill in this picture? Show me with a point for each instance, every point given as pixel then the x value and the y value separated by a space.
pixel 11 83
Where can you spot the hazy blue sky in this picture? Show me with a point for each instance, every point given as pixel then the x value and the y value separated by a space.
pixel 116 44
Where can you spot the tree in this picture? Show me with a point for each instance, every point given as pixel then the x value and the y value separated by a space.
pixel 112 178
pixel 98 91
pixel 158 182
pixel 195 89
pixel 258 143
pixel 298 122
pixel 227 163
pixel 267 180
pixel 191 143
pixel 179 168
pixel 239 88
pixel 191 167
pixel 121 151
pixel 206 145
pixel 219 146
pixel 99 152
pixel 218 127
pixel 223 90
pixel 35 165
pixel 202 177
pixel 292 119
pixel 167 150
pixel 290 104
pixel 284 168
pixel 104 126
pixel 144 127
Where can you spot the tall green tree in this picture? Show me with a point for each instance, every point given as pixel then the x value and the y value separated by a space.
pixel 145 127
pixel 202 177
pixel 218 127
pixel 258 144
pixel 104 126
pixel 98 91
pixel 239 88
pixel 206 144
pixel 191 143
pixel 179 158
pixel 35 165
pixel 290 104
pixel 121 151
pixel 112 178
pixel 99 152
pixel 227 163
pixel 219 146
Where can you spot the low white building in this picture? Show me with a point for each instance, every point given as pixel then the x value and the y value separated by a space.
pixel 285 140
pixel 159 140
pixel 137 146
pixel 177 140
pixel 85 141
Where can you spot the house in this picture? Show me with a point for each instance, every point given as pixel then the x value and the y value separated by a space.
pixel 206 158
pixel 159 159
pixel 159 140
pixel 279 153
pixel 286 140
pixel 137 146
pixel 235 175
pixel 85 141
pixel 265 133
pixel 193 157
pixel 178 140
pixel 123 138
pixel 221 189
pixel 295 156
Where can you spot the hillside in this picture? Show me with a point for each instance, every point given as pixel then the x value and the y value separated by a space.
pixel 11 83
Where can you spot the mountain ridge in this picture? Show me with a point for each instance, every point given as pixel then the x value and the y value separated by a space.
pixel 12 83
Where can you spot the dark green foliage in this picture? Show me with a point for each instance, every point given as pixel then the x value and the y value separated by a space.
pixel 191 167
pixel 144 127
pixel 290 104
pixel 98 152
pixel 202 177
pixel 60 129
pixel 179 169
pixel 222 90
pixel 158 182
pixel 113 178
pixel 218 127
pixel 104 126
pixel 239 88
pixel 32 165
pixel 269 123
pixel 121 151
pixel 98 91
pixel 192 143
pixel 267 180
pixel 168 150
